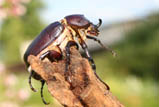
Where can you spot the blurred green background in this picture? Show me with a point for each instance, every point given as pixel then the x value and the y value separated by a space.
pixel 133 75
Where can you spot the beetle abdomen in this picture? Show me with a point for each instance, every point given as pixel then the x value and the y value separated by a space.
pixel 44 39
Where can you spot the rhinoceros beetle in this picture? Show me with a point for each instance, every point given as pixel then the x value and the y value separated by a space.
pixel 56 39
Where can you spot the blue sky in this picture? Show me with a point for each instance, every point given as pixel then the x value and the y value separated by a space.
pixel 108 10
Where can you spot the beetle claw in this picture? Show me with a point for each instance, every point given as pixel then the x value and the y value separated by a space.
pixel 33 89
pixel 45 102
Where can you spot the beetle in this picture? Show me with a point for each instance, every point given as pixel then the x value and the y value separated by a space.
pixel 55 41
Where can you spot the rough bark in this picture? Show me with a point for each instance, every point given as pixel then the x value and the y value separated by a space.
pixel 79 87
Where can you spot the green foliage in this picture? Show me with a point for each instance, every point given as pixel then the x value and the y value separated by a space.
pixel 15 30
pixel 139 51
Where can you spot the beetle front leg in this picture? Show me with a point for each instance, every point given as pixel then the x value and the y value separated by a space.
pixel 107 48
pixel 85 48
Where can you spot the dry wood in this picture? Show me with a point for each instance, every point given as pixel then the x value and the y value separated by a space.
pixel 81 88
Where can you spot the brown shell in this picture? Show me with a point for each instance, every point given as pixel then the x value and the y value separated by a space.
pixel 77 21
pixel 44 39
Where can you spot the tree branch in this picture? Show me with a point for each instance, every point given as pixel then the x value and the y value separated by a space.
pixel 81 88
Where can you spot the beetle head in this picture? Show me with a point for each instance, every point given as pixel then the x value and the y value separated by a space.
pixel 92 30
pixel 79 22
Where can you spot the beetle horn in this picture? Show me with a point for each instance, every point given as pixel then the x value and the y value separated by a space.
pixel 99 24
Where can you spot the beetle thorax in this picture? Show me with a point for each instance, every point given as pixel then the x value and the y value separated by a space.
pixel 82 34
pixel 79 33
pixel 71 30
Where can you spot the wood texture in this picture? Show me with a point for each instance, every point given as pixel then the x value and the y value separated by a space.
pixel 79 87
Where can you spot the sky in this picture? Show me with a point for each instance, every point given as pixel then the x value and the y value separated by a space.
pixel 108 10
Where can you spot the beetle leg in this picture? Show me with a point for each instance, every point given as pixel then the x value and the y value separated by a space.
pixel 85 48
pixel 32 72
pixel 67 57
pixel 107 48
pixel 30 76
pixel 42 86
pixel 51 54
pixel 43 81
pixel 67 48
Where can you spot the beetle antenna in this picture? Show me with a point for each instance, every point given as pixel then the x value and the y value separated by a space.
pixel 99 24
